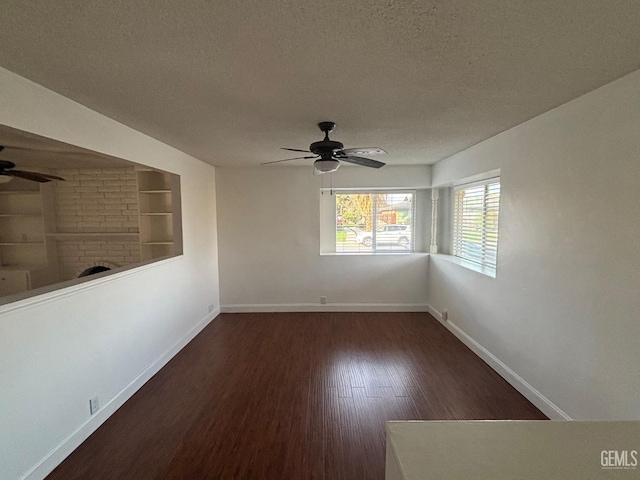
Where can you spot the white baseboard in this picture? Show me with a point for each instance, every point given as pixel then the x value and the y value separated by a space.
pixel 330 307
pixel 61 451
pixel 545 405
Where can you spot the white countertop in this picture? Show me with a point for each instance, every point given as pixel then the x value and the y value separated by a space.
pixel 505 449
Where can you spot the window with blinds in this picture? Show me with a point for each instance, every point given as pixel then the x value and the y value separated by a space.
pixel 476 211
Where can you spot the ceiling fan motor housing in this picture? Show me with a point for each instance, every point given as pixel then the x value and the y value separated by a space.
pixel 326 147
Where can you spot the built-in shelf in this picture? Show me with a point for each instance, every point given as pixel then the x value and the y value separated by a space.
pixel 21 243
pixel 93 235
pixel 156 213
pixel 20 192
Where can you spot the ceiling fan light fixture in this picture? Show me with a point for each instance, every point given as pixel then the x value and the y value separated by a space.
pixel 326 166
pixel 5 179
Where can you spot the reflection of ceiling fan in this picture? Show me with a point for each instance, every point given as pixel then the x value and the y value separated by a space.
pixel 329 154
pixel 7 172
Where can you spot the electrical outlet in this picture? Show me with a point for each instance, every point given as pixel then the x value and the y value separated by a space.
pixel 444 314
pixel 323 300
pixel 94 405
pixel 211 307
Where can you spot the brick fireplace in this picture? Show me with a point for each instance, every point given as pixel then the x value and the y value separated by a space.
pixel 96 219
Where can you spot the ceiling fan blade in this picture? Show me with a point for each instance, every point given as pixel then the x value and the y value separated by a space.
pixel 364 162
pixel 6 165
pixel 36 177
pixel 296 150
pixel 46 175
pixel 362 151
pixel 288 159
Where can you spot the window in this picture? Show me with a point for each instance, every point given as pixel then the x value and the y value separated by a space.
pixel 475 233
pixel 369 222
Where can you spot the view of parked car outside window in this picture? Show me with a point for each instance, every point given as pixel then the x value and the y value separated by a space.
pixel 374 222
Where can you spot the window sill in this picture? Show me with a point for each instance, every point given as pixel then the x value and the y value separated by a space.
pixel 488 271
pixel 369 254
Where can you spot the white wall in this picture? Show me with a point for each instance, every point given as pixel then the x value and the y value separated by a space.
pixel 104 337
pixel 564 310
pixel 269 234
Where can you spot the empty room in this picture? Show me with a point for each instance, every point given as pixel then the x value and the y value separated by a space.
pixel 319 240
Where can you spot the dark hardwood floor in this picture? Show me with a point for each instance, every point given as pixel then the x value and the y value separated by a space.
pixel 293 396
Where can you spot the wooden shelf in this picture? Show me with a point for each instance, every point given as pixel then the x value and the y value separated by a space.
pixel 154 191
pixel 145 214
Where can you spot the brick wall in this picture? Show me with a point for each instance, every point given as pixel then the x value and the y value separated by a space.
pixel 96 200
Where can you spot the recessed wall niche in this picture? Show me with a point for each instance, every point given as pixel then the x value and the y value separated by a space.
pixel 107 215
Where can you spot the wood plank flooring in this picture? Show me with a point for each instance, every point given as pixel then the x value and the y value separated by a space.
pixel 293 396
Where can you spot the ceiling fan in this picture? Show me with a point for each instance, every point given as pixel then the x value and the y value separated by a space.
pixel 7 172
pixel 328 153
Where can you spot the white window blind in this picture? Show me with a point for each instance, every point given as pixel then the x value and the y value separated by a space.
pixel 475 234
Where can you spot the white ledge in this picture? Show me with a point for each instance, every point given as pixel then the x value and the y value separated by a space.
pixel 32 298
pixel 488 271
pixel 371 254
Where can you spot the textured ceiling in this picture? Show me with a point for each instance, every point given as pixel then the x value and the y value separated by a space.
pixel 27 150
pixel 230 82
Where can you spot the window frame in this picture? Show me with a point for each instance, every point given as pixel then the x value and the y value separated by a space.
pixel 332 248
pixel 482 264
